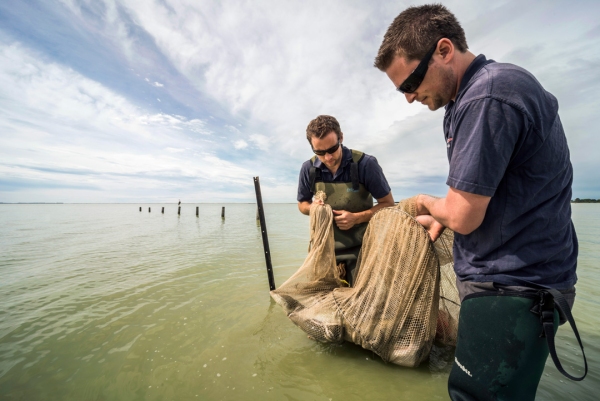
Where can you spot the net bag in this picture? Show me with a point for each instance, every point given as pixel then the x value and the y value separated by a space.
pixel 404 296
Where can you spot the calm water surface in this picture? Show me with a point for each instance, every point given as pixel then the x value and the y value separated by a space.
pixel 103 302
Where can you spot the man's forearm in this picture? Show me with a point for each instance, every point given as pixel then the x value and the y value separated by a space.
pixel 367 215
pixel 304 207
pixel 460 211
pixel 427 204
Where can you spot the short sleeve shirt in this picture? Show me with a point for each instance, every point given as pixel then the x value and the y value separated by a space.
pixel 370 175
pixel 505 140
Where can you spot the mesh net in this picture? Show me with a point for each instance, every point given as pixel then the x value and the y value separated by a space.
pixel 404 296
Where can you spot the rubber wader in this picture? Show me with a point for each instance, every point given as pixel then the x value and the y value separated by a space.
pixel 503 342
pixel 350 196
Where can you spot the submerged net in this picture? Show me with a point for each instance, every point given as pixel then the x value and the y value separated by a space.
pixel 404 296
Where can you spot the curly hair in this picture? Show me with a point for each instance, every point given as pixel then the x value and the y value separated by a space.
pixel 321 126
pixel 415 30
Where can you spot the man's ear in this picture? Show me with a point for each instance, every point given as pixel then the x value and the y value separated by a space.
pixel 446 50
pixel 341 137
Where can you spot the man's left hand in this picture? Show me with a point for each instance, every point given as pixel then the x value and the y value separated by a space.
pixel 345 220
pixel 433 227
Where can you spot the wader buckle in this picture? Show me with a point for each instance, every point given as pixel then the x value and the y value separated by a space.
pixel 545 309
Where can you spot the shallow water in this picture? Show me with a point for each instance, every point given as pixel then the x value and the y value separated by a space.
pixel 103 302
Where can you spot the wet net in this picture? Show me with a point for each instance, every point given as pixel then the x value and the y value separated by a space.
pixel 404 297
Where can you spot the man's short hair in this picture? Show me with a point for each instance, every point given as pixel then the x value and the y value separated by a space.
pixel 415 30
pixel 321 126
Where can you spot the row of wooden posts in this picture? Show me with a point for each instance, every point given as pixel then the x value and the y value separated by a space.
pixel 197 211
pixel 260 216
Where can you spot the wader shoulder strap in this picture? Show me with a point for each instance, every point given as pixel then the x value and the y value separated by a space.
pixel 314 175
pixel 551 298
pixel 357 156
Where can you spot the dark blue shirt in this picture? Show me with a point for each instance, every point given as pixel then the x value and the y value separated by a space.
pixel 370 175
pixel 505 140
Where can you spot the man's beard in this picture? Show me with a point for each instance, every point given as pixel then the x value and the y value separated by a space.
pixel 444 96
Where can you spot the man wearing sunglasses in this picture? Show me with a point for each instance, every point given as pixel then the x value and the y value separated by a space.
pixel 508 200
pixel 350 179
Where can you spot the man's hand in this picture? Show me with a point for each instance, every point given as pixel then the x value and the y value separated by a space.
pixel 460 211
pixel 344 219
pixel 433 227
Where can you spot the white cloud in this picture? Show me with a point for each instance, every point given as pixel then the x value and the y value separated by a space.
pixel 240 144
pixel 261 141
pixel 60 129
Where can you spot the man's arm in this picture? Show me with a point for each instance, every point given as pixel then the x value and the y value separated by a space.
pixel 304 206
pixel 460 211
pixel 346 220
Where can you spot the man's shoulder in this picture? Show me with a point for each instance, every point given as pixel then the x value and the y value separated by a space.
pixel 306 166
pixel 367 160
pixel 501 81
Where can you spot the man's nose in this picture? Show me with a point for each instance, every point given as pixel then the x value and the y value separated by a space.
pixel 410 97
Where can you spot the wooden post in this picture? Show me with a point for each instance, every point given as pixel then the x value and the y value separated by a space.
pixel 178 210
pixel 223 212
pixel 263 229
pixel 148 210
pixel 197 208
pixel 140 208
pixel 163 210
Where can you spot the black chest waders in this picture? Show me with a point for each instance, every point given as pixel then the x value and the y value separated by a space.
pixel 503 342
pixel 350 196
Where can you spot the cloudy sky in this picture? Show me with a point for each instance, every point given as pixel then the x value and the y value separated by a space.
pixel 159 100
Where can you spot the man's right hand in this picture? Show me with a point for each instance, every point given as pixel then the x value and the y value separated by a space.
pixel 433 227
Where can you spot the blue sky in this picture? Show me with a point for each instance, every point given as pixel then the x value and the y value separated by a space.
pixel 154 101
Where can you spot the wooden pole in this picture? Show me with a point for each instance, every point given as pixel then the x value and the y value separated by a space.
pixel 223 212
pixel 148 210
pixel 197 211
pixel 163 210
pixel 140 208
pixel 263 229
pixel 178 210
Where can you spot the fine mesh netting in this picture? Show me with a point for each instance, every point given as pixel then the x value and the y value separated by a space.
pixel 404 296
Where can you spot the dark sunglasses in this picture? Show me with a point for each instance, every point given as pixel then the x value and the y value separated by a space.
pixel 415 78
pixel 330 150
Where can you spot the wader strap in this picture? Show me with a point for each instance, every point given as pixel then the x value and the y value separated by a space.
pixel 314 175
pixel 551 298
pixel 354 175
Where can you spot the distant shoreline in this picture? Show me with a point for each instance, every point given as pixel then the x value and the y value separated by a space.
pixel 576 200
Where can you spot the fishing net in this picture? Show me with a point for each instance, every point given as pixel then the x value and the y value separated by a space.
pixel 404 296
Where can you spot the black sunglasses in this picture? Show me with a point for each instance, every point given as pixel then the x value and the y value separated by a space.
pixel 330 150
pixel 415 78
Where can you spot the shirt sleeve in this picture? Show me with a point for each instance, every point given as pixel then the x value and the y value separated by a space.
pixel 374 179
pixel 485 134
pixel 304 189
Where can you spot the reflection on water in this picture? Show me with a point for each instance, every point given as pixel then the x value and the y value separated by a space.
pixel 106 302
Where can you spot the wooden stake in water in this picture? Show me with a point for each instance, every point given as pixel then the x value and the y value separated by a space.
pixel 223 212
pixel 148 210
pixel 263 229
pixel 140 208
pixel 197 208
pixel 163 210
pixel 178 210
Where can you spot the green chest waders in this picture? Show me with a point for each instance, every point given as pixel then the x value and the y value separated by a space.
pixel 503 342
pixel 350 196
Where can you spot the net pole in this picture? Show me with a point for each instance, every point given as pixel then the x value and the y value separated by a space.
pixel 263 230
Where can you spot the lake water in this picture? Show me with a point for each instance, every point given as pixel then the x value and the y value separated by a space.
pixel 103 302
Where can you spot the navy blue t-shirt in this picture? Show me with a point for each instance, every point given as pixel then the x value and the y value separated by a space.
pixel 370 175
pixel 505 140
